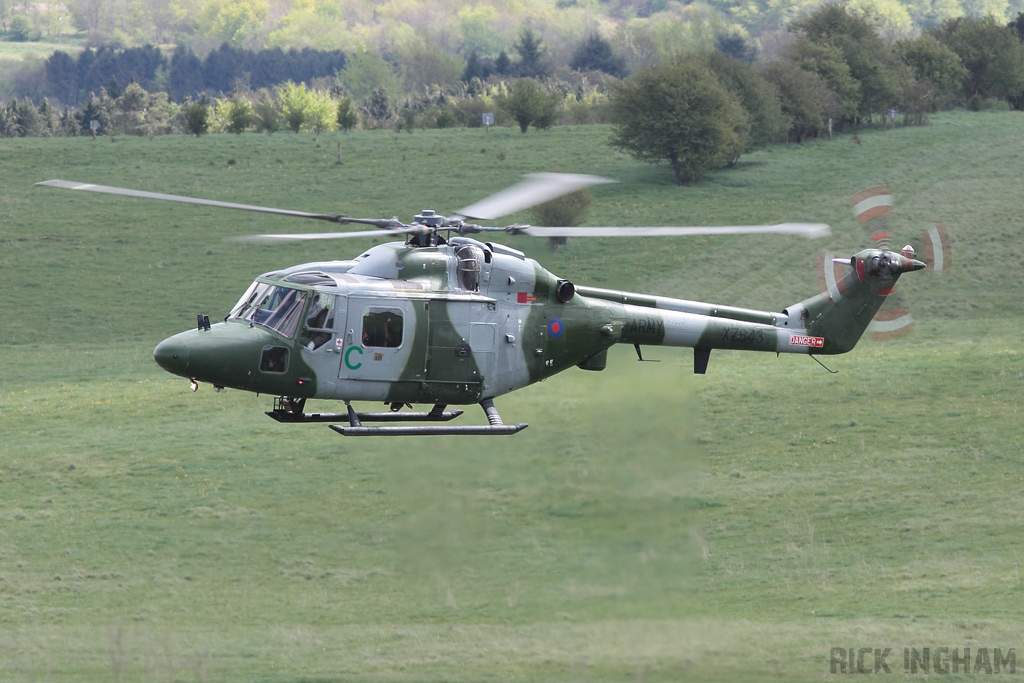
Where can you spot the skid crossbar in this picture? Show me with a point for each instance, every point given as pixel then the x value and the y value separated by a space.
pixel 289 410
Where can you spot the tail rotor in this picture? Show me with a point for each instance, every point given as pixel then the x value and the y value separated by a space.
pixel 872 207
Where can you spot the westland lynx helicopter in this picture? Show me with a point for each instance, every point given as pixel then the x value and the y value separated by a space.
pixel 445 319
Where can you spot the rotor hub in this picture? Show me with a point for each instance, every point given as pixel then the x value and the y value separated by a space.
pixel 430 218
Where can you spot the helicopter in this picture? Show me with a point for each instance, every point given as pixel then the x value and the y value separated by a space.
pixel 444 318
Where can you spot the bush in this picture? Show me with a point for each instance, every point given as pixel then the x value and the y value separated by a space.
pixel 21 29
pixel 440 116
pixel 267 114
pixel 346 117
pixel 528 103
pixel 295 104
pixel 470 111
pixel 196 116
pixel 240 115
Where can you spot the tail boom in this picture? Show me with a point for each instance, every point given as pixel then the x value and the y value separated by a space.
pixel 829 323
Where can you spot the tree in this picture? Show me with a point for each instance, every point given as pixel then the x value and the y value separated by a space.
pixel 476 68
pixel 67 124
pixel 478 30
pixel 98 109
pixel 366 72
pixel 322 113
pixel 131 109
pixel 935 64
pixel 295 104
pixel 990 51
pixel 168 19
pixel 1017 25
pixel 95 16
pixel 22 119
pixel 196 116
pixel 267 113
pixel 160 115
pixel 113 87
pixel 828 61
pixel 736 46
pixel 377 106
pixel 805 98
pixel 595 54
pixel 425 65
pixel 528 103
pixel 240 114
pixel 270 68
pixel 503 65
pixel 186 75
pixel 677 112
pixel 531 55
pixel 47 119
pixel 62 77
pixel 758 97
pixel 346 116
pixel 234 21
pixel 222 66
pixel 21 29
pixel 872 64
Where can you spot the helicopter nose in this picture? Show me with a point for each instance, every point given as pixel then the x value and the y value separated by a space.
pixel 172 355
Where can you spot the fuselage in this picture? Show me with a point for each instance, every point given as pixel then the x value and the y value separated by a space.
pixel 457 323
pixel 453 323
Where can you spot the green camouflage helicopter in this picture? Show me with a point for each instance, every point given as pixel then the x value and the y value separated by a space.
pixel 446 319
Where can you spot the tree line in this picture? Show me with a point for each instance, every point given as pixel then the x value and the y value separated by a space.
pixel 69 80
pixel 637 28
pixel 702 112
pixel 697 112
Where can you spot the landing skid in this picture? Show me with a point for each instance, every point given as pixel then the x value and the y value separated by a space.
pixel 288 410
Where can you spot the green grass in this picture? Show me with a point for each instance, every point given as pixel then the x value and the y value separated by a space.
pixel 12 52
pixel 649 525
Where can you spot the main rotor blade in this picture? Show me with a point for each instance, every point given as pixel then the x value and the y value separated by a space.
pixel 300 237
pixel 810 230
pixel 106 189
pixel 536 189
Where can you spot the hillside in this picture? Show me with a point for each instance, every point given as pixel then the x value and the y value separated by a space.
pixel 639 29
pixel 961 171
pixel 649 525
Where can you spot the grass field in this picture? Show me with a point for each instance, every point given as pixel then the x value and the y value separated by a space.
pixel 649 525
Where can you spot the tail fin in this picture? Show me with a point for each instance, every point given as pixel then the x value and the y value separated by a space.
pixel 840 315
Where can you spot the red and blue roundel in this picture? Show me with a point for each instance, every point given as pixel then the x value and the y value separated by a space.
pixel 555 328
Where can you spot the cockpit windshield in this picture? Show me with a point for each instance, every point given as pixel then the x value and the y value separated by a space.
pixel 271 306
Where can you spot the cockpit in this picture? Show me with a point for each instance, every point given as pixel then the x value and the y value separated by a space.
pixel 271 306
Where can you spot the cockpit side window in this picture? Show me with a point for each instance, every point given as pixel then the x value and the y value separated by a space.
pixel 243 305
pixel 319 326
pixel 382 327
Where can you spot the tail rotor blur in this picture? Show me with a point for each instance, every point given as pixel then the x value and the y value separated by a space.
pixel 872 207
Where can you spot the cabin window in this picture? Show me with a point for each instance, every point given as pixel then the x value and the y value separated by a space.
pixel 274 359
pixel 319 326
pixel 382 327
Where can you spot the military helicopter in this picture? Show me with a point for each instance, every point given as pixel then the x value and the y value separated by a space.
pixel 443 318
